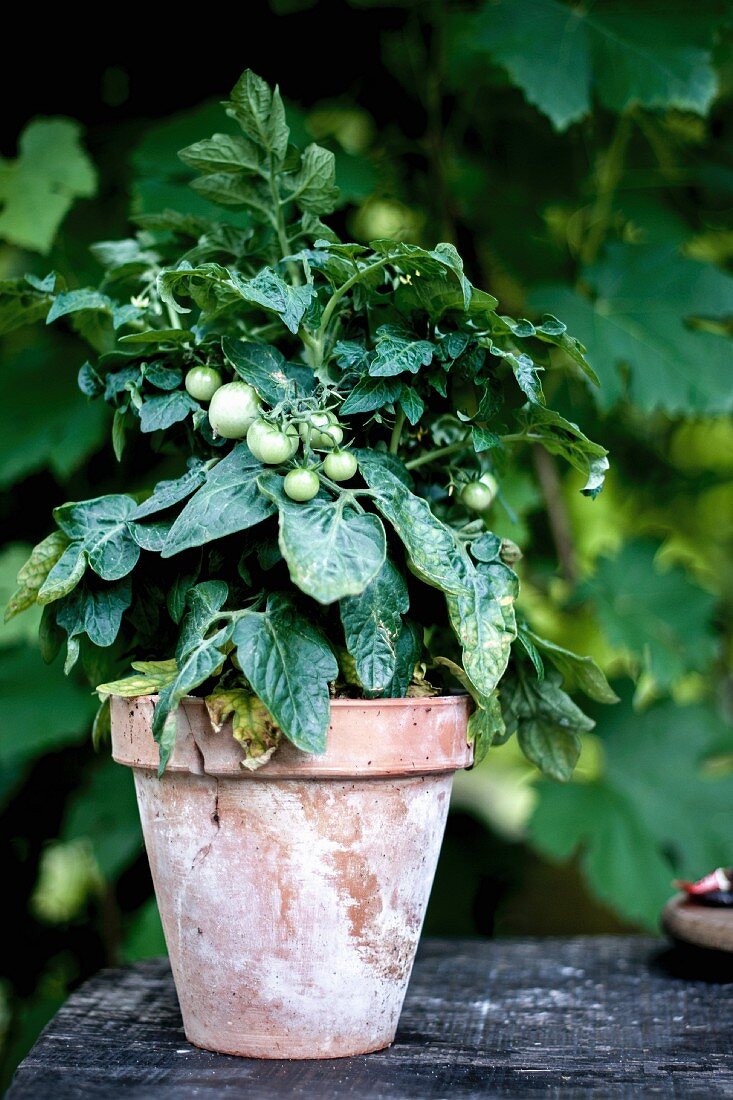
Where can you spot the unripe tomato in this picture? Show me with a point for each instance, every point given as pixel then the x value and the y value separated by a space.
pixel 476 496
pixel 340 465
pixel 268 444
pixel 203 382
pixel 322 430
pixel 233 408
pixel 491 483
pixel 301 484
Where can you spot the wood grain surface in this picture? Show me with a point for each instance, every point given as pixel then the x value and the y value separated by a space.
pixel 606 1015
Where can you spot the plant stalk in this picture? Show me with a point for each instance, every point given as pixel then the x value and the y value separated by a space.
pixel 394 442
pixel 608 174
pixel 557 513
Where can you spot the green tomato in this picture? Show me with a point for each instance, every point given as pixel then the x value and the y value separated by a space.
pixel 268 444
pixel 203 382
pixel 329 438
pixel 491 483
pixel 322 430
pixel 233 409
pixel 476 496
pixel 340 465
pixel 301 484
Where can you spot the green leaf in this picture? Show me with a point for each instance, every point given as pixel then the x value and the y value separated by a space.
pixel 59 432
pixel 74 301
pixel 371 393
pixel 483 439
pixel 412 404
pixel 222 153
pixel 101 526
pixel 289 665
pixel 480 601
pixel 549 747
pixel 159 413
pixel 636 328
pixel 372 624
pixel 20 305
pixel 38 189
pixel 201 661
pixel 613 50
pixel 313 186
pixel 578 673
pixel 433 549
pixel 229 501
pixel 152 536
pixel 229 190
pixel 662 618
pixel 561 437
pixel 332 550
pixel 33 573
pixel 252 724
pixel 118 433
pixel 95 611
pixel 485 727
pixel 262 366
pixel 152 677
pixel 270 291
pixel 398 351
pixel 103 812
pixel 642 822
pixel 163 377
pixel 525 370
pixel 203 602
pixel 65 574
pixel 547 722
pixel 158 338
pixel 408 650
pixel 483 621
pixel 167 493
pixel 260 112
pixel 51 710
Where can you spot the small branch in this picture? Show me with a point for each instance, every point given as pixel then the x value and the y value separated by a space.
pixel 394 442
pixel 608 175
pixel 173 316
pixel 440 452
pixel 557 513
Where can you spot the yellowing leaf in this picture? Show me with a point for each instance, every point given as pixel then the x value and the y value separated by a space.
pixel 152 677
pixel 32 575
pixel 252 724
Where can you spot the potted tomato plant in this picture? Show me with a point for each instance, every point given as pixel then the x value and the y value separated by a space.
pixel 320 623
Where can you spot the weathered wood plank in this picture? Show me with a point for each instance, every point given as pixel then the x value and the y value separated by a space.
pixel 614 1016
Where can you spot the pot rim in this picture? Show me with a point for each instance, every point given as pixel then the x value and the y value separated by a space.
pixel 422 700
pixel 366 738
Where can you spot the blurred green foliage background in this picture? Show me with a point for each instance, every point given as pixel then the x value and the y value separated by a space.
pixel 581 158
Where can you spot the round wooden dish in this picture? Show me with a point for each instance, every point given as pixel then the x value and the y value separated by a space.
pixel 698 925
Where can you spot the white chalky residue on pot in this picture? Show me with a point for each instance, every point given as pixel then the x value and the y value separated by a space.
pixel 292 905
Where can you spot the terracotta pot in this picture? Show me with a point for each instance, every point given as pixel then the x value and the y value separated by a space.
pixel 292 897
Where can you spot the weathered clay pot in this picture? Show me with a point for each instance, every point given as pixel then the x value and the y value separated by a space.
pixel 292 897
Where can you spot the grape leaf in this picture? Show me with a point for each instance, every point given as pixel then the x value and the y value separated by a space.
pixel 637 332
pixel 641 824
pixel 662 618
pixel 38 189
pixel 560 55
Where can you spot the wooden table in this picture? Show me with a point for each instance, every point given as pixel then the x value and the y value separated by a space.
pixel 606 1015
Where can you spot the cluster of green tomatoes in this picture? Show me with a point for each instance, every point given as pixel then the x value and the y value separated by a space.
pixel 235 412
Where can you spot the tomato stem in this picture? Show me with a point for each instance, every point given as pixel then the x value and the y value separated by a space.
pixel 394 442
